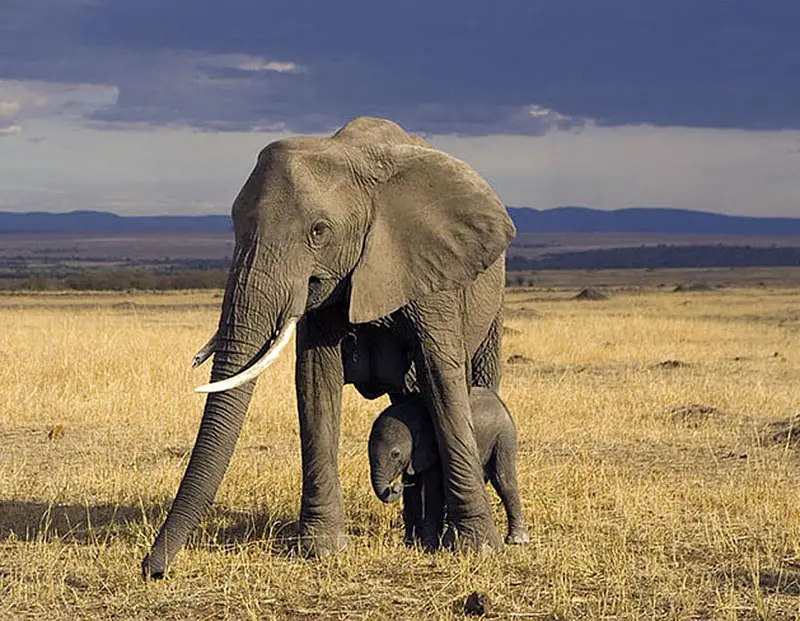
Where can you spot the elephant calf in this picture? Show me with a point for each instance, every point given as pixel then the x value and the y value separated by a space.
pixel 402 443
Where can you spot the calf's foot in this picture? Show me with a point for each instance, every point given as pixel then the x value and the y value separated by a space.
pixel 518 537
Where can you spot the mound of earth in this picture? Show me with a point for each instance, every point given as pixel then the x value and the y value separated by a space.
pixel 785 432
pixel 55 432
pixel 693 286
pixel 672 364
pixel 519 359
pixel 591 295
pixel 476 604
pixel 695 414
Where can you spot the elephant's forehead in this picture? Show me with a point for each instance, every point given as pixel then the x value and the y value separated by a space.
pixel 302 155
pixel 390 428
pixel 314 176
pixel 308 169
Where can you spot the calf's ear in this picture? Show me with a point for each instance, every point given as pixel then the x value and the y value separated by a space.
pixel 423 458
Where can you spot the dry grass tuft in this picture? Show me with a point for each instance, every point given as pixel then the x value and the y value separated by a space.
pixel 650 492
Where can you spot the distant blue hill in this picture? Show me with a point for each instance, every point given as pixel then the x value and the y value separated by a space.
pixel 106 222
pixel 647 220
pixel 528 220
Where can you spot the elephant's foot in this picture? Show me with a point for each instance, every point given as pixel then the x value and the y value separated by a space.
pixel 517 536
pixel 318 540
pixel 473 535
pixel 428 545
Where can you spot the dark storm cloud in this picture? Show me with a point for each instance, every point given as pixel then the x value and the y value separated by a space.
pixel 472 67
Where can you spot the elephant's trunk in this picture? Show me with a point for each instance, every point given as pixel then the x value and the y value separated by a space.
pixel 392 493
pixel 389 449
pixel 385 485
pixel 219 430
pixel 247 321
pixel 271 354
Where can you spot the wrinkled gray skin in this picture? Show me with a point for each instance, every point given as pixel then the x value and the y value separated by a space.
pixel 378 243
pixel 402 445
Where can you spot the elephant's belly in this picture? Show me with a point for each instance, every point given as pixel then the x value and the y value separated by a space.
pixel 383 377
pixel 375 362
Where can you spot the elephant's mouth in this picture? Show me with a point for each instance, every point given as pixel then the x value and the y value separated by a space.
pixel 272 350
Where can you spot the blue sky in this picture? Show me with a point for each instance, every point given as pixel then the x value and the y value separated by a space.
pixel 160 106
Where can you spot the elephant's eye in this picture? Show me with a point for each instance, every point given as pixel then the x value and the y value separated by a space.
pixel 320 233
pixel 395 453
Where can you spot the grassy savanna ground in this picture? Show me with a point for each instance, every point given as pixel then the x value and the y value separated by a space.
pixel 651 490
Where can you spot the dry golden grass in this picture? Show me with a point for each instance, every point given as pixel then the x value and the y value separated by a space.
pixel 639 506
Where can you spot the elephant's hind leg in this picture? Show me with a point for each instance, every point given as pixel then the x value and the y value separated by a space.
pixel 504 480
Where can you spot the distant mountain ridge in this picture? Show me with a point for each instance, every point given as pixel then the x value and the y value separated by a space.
pixel 107 222
pixel 647 220
pixel 527 220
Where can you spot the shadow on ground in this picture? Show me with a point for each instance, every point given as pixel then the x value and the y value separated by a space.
pixel 782 581
pixel 72 523
pixel 98 524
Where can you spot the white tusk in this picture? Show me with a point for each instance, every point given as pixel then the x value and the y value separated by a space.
pixel 205 352
pixel 270 356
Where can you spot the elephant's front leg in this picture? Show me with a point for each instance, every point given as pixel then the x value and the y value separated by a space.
pixel 441 361
pixel 432 522
pixel 319 379
pixel 412 509
pixel 423 508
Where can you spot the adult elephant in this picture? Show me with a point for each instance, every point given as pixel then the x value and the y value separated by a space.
pixel 389 255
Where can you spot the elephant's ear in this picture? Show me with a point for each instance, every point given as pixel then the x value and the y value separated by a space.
pixel 436 224
pixel 424 457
